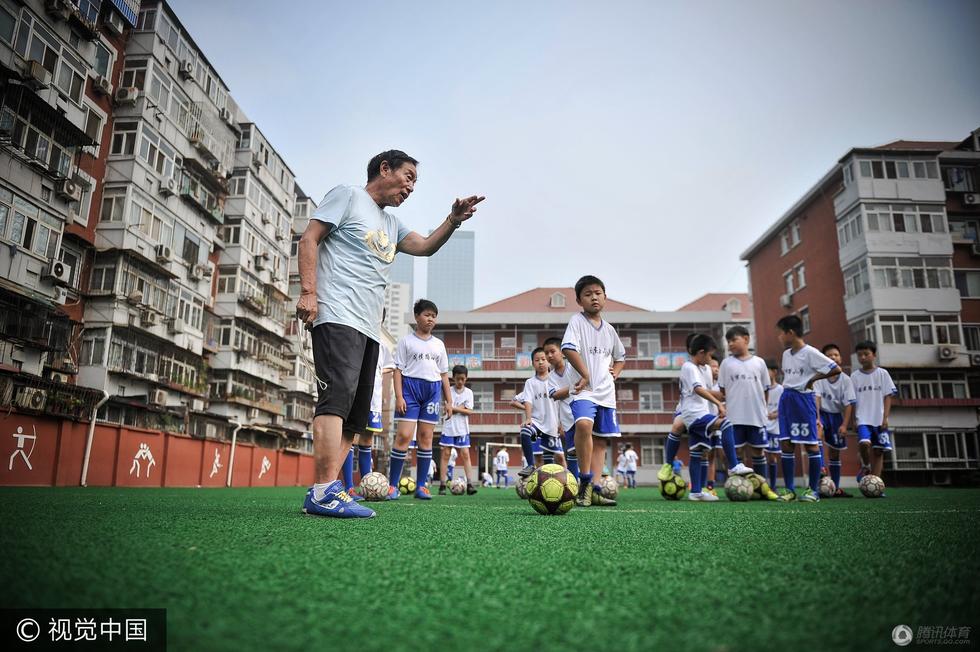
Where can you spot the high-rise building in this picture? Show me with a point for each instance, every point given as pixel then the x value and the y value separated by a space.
pixel 904 273
pixel 450 273
pixel 398 308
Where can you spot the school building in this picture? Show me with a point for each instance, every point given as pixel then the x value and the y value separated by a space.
pixel 886 247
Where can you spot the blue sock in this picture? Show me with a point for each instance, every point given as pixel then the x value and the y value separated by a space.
pixel 835 472
pixel 572 460
pixel 789 470
pixel 586 479
pixel 728 444
pixel 696 477
pixel 348 471
pixel 670 450
pixel 549 457
pixel 815 465
pixel 397 463
pixel 704 473
pixel 759 465
pixel 527 447
pixel 773 479
pixel 423 458
pixel 449 472
pixel 364 461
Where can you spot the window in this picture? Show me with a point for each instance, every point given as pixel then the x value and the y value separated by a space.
pixel 103 279
pixel 856 279
pixel 958 179
pixel 865 167
pixel 795 279
pixel 651 397
pixel 134 73
pixel 968 283
pixel 112 208
pixel 557 300
pixel 36 43
pixel 529 342
pixel 70 80
pixel 647 343
pixel 124 138
pixel 848 174
pixel 483 343
pixel 971 336
pixel 863 329
pixel 850 228
pixel 805 318
pixel 93 347
pixel 924 272
pixel 482 397
pixel 963 230
pixel 72 257
pixel 733 305
pixel 790 237
pixel 905 218
pixel 920 329
pixel 103 60
pixel 93 125
pixel 7 24
pixel 800 276
pixel 788 280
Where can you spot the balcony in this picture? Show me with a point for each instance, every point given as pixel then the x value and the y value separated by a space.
pixel 199 196
pixel 31 394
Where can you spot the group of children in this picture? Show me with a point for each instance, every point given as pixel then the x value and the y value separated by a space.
pixel 569 407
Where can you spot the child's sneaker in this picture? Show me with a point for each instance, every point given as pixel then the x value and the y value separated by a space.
pixel 787 496
pixel 739 469
pixel 470 489
pixel 355 493
pixel 840 493
pixel 665 473
pixel 771 495
pixel 334 503
pixel 442 489
pixel 598 500
pixel 810 496
pixel 526 471
pixel 393 494
pixel 422 493
pixel 584 498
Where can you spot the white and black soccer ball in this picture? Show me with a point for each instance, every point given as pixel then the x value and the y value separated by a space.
pixel 872 486
pixel 374 486
pixel 827 488
pixel 739 488
pixel 458 486
pixel 608 487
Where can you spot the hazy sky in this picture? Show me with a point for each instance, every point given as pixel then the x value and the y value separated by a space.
pixel 648 143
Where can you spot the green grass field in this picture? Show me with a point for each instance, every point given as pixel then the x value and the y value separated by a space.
pixel 243 569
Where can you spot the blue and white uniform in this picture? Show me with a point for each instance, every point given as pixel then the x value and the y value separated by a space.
pixel 835 395
pixel 797 406
pixel 544 415
pixel 422 363
pixel 385 362
pixel 745 383
pixel 565 419
pixel 772 425
pixel 456 430
pixel 599 346
pixel 871 388
pixel 694 408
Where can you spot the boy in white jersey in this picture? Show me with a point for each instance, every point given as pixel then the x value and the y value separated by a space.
pixel 631 459
pixel 421 381
pixel 772 425
pixel 455 436
pixel 364 442
pixel 540 416
pixel 744 382
pixel 874 389
pixel 835 405
pixel 562 379
pixel 708 461
pixel 802 366
pixel 500 462
pixel 593 348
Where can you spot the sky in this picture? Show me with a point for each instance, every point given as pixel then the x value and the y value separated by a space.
pixel 648 143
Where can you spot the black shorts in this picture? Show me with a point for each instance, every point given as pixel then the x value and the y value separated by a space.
pixel 345 361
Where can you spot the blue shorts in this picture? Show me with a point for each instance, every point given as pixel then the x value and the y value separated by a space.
pixel 551 444
pixel 630 472
pixel 374 422
pixel 697 433
pixel 570 439
pixel 798 417
pixel 603 419
pixel 831 425
pixel 449 441
pixel 422 398
pixel 751 435
pixel 880 439
pixel 773 445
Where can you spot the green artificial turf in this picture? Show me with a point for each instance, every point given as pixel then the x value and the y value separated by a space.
pixel 242 569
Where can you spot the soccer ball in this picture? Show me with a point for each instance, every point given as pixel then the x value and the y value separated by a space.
pixel 738 489
pixel 827 488
pixel 674 489
pixel 608 487
pixel 374 486
pixel 458 486
pixel 872 486
pixel 521 487
pixel 406 485
pixel 552 490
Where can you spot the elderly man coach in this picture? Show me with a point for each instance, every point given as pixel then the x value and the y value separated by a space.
pixel 345 256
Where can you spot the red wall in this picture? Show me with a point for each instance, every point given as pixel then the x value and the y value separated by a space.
pixel 56 456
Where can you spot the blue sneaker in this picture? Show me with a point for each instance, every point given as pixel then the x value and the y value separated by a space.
pixel 423 493
pixel 393 493
pixel 335 503
pixel 355 494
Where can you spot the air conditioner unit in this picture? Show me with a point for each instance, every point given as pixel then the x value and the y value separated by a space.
pixel 127 95
pixel 102 85
pixel 59 272
pixel 176 325
pixel 114 23
pixel 36 75
pixel 186 69
pixel 256 160
pixel 59 378
pixel 32 398
pixel 259 263
pixel 252 414
pixel 975 359
pixel 68 189
pixel 280 234
pixel 58 9
pixel 786 300
pixel 163 253
pixel 197 404
pixel 148 318
pixel 208 270
pixel 196 273
pixel 225 115
pixel 157 397
pixel 168 187
pixel 266 218
pixel 61 296
pixel 971 199
pixel 265 255
pixel 135 297
pixel 947 352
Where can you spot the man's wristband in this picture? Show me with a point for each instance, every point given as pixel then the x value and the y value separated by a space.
pixel 454 224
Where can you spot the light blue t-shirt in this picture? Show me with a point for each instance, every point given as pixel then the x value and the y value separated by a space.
pixel 354 259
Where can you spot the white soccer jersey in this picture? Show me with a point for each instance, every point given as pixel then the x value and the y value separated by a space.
pixel 600 348
pixel 500 461
pixel 871 388
pixel 693 407
pixel 459 424
pixel 800 367
pixel 772 405
pixel 621 462
pixel 543 413
pixel 715 387
pixel 567 379
pixel 422 359
pixel 631 459
pixel 385 361
pixel 745 383
pixel 837 395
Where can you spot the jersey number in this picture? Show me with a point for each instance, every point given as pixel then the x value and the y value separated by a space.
pixel 799 430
